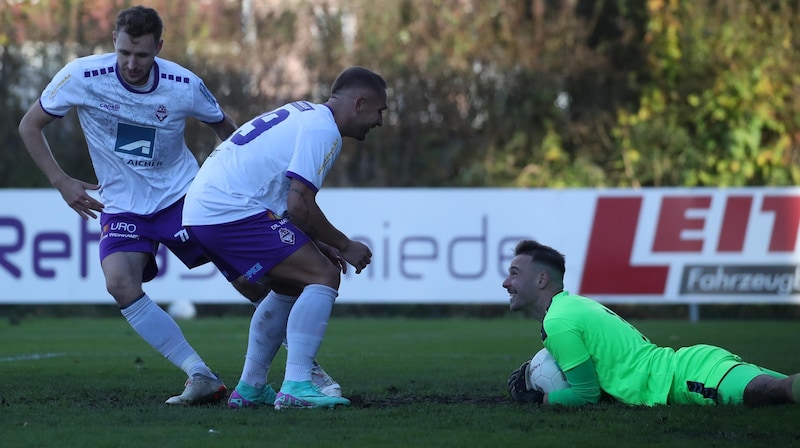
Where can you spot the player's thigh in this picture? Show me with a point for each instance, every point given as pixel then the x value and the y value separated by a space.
pixel 306 266
pixel 123 274
pixel 128 233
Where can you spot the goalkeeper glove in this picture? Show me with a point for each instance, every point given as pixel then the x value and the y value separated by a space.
pixel 518 389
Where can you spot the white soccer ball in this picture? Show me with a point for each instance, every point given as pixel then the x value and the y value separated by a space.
pixel 182 309
pixel 544 374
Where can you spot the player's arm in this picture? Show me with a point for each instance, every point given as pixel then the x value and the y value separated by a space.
pixel 584 387
pixel 31 130
pixel 333 255
pixel 224 128
pixel 306 214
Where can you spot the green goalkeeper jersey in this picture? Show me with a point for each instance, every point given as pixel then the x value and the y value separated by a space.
pixel 629 367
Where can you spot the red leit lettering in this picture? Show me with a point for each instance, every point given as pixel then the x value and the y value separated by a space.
pixel 672 221
pixel 607 269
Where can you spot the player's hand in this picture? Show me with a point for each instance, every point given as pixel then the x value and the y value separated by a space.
pixel 333 254
pixel 357 254
pixel 518 389
pixel 74 193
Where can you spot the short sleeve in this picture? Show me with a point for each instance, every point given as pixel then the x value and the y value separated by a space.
pixel 205 106
pixel 65 91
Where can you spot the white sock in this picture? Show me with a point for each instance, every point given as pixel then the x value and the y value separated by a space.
pixel 267 331
pixel 285 344
pixel 305 329
pixel 159 330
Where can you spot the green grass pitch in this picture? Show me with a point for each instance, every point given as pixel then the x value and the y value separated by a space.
pixel 92 382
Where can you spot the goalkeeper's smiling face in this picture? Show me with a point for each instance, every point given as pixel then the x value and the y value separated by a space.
pixel 135 56
pixel 527 285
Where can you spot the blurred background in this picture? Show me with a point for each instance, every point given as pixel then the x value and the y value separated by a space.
pixel 496 93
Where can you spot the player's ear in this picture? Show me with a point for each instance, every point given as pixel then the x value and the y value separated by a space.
pixel 360 101
pixel 544 279
pixel 159 46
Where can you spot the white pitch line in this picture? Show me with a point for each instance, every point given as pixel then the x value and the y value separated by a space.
pixel 33 356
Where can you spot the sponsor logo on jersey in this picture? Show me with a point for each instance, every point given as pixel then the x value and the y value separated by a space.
pixel 110 107
pixel 58 86
pixel 328 157
pixel 161 112
pixel 145 163
pixel 136 141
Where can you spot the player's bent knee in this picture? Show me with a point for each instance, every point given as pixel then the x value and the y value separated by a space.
pixel 307 266
pixel 253 292
pixel 123 290
pixel 333 277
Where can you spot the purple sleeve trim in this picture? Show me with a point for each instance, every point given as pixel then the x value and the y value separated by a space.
pixel 215 122
pixel 48 113
pixel 308 184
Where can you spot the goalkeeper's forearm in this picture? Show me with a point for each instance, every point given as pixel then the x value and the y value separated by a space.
pixel 584 387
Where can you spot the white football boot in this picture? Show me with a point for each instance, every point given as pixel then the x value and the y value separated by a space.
pixel 324 382
pixel 200 389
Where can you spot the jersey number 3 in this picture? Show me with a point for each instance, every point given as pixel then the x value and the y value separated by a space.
pixel 258 126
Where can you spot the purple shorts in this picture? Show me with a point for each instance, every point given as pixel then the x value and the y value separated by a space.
pixel 249 247
pixel 128 232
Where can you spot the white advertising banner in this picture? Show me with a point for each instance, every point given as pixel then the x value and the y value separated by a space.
pixel 453 246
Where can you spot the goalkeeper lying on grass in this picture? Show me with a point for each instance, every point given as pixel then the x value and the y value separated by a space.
pixel 601 352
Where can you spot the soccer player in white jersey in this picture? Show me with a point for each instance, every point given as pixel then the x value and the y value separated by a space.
pixel 253 208
pixel 133 108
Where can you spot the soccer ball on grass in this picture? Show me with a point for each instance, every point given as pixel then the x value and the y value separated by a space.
pixel 544 374
pixel 182 309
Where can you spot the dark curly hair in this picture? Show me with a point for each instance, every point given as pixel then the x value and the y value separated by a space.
pixel 139 21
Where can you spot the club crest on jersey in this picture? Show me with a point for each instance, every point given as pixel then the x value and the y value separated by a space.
pixel 161 112
pixel 135 140
pixel 286 235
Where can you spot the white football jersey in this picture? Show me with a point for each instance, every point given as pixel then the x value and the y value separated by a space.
pixel 135 138
pixel 250 172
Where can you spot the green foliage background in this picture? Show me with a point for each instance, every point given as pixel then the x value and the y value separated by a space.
pixel 528 93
